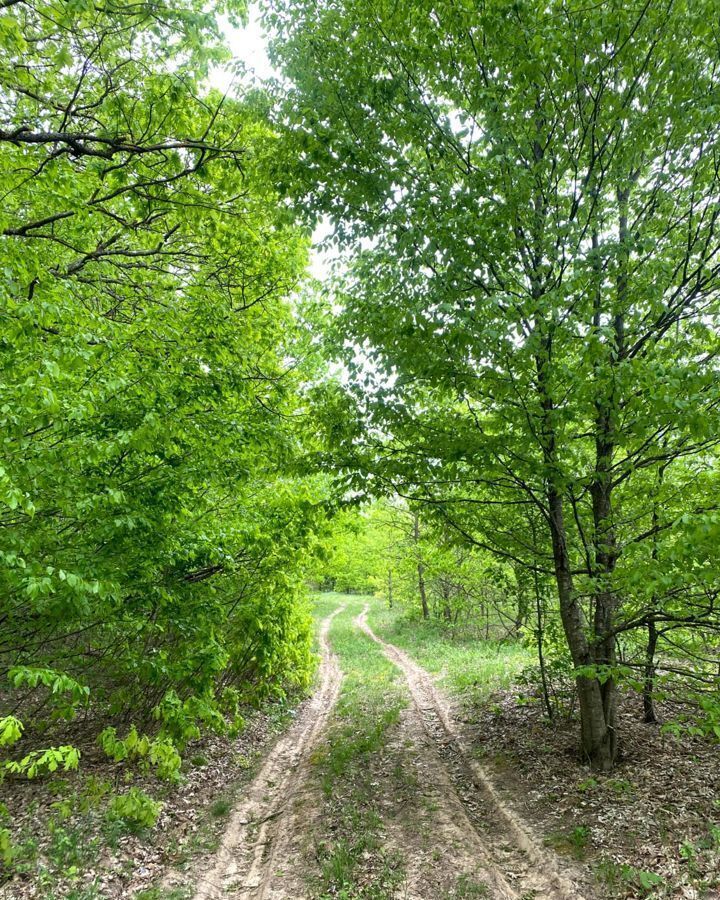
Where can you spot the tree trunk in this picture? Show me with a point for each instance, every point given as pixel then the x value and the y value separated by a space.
pixel 605 550
pixel 602 655
pixel 445 589
pixel 390 589
pixel 423 593
pixel 541 656
pixel 649 714
pixel 522 613
pixel 420 568
pixel 596 700
pixel 539 632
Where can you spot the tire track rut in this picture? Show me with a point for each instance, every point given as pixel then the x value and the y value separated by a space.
pixel 262 827
pixel 517 866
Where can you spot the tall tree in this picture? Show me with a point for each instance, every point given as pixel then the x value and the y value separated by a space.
pixel 536 309
pixel 153 528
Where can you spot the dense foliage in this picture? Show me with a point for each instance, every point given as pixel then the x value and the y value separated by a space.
pixel 529 195
pixel 528 198
pixel 500 413
pixel 413 561
pixel 154 523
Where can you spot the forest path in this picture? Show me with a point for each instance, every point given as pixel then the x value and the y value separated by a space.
pixel 511 863
pixel 263 832
pixel 443 818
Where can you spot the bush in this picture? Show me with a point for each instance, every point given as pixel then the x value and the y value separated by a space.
pixel 6 848
pixel 160 753
pixel 135 810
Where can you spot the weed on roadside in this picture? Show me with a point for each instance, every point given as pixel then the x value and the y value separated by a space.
pixel 574 842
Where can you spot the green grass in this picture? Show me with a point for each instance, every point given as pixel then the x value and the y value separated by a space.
pixel 468 889
pixel 574 842
pixel 353 861
pixel 156 893
pixel 618 877
pixel 468 665
pixel 220 808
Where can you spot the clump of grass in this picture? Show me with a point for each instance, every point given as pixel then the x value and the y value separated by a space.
pixel 220 808
pixel 574 842
pixel 157 893
pixel 468 889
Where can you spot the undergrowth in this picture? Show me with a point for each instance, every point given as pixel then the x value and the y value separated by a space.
pixel 466 664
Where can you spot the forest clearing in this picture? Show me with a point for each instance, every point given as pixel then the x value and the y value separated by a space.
pixel 360 468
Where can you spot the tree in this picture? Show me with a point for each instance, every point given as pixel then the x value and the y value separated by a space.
pixel 155 521
pixel 536 309
pixel 353 554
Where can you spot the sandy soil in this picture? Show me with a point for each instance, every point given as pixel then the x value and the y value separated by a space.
pixel 469 812
pixel 451 827
pixel 266 831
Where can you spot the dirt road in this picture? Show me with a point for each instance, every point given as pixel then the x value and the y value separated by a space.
pixel 511 862
pixel 265 831
pixel 452 825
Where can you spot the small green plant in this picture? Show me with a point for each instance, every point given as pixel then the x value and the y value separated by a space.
pixel 614 874
pixel 574 842
pixel 22 853
pixel 43 762
pixel 620 786
pixel 160 752
pixel 7 852
pixel 648 881
pixel 236 727
pixel 689 853
pixel 220 808
pixel 608 872
pixel 579 838
pixel 135 810
pixel 94 792
pixel 63 808
pixel 68 849
pixel 589 784
pixel 165 758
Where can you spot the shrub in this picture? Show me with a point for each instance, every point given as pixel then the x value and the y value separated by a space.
pixel 135 810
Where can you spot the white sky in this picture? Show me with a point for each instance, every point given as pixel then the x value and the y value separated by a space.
pixel 249 46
